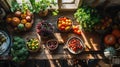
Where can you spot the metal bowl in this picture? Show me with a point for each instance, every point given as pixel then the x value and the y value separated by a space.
pixel 81 43
pixel 5 45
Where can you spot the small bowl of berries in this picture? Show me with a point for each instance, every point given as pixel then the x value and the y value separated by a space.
pixel 52 44
pixel 75 45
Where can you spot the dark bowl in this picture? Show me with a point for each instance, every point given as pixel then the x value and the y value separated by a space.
pixel 52 44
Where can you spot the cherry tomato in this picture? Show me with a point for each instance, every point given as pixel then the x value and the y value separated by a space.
pixel 78 32
pixel 80 47
pixel 62 27
pixel 74 49
pixel 75 28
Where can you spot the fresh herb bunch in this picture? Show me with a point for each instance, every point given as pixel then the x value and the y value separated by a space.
pixel 19 51
pixel 87 17
pixel 42 5
pixel 23 7
pixel 14 6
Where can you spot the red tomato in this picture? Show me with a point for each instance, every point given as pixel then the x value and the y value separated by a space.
pixel 75 31
pixel 80 47
pixel 62 27
pixel 116 32
pixel 78 32
pixel 70 45
pixel 74 40
pixel 74 49
pixel 110 39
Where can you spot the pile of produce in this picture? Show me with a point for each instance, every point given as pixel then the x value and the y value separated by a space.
pixel 33 44
pixel 64 24
pixel 19 51
pixel 20 21
pixel 44 29
pixel 104 24
pixel 76 29
pixel 113 38
pixel 87 17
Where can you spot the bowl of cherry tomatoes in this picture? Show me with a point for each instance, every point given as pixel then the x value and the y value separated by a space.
pixel 64 24
pixel 75 45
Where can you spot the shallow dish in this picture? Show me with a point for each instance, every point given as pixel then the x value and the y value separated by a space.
pixel 116 44
pixel 6 44
pixel 75 45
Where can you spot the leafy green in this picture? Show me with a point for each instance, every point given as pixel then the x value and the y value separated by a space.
pixel 42 5
pixel 87 17
pixel 14 6
pixel 55 12
pixel 19 51
pixel 22 7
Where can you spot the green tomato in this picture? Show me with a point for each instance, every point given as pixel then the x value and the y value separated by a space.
pixel 29 45
pixel 33 48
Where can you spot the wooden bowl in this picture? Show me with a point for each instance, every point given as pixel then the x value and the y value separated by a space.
pixel 39 42
pixel 67 25
pixel 52 44
pixel 14 28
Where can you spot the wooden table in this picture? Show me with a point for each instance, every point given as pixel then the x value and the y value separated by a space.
pixel 91 42
pixel 92 49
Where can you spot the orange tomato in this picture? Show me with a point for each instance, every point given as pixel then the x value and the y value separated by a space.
pixel 28 25
pixel 63 23
pixel 75 27
pixel 23 21
pixel 79 32
pixel 9 20
pixel 15 21
pixel 69 23
pixel 59 25
pixel 23 16
pixel 67 28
